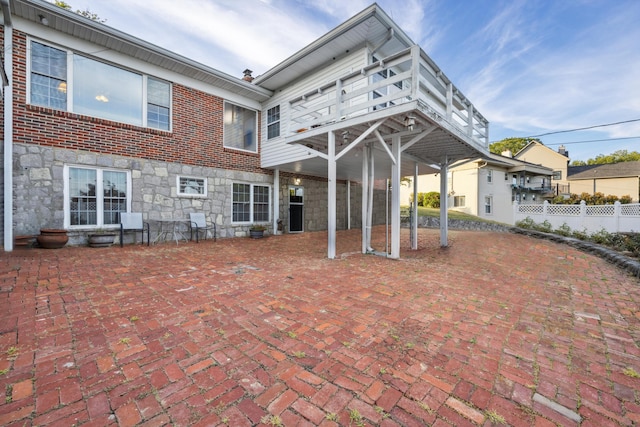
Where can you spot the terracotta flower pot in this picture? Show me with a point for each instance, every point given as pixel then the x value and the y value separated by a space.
pixel 52 238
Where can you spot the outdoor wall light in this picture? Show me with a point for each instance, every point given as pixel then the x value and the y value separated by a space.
pixel 43 20
pixel 296 181
pixel 409 122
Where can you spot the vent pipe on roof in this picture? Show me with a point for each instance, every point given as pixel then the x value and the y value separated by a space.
pixel 247 75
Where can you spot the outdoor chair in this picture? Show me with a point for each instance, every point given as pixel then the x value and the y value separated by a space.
pixel 198 224
pixel 132 222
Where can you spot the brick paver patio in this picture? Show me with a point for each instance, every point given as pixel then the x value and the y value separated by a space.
pixel 238 332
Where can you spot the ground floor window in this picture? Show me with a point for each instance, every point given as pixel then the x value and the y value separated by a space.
pixel 488 205
pixel 250 203
pixel 458 201
pixel 95 197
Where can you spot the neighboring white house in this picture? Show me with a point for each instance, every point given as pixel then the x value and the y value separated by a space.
pixel 488 186
pixel 558 161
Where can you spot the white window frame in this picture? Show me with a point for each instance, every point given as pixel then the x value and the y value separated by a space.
pixel 489 176
pixel 274 122
pixel 488 205
pixel 251 203
pixel 224 125
pixel 69 84
pixel 99 197
pixel 203 186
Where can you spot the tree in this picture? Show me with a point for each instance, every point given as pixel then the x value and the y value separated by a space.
pixel 615 157
pixel 86 13
pixel 512 144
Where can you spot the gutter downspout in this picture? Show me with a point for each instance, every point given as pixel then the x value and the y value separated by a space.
pixel 8 127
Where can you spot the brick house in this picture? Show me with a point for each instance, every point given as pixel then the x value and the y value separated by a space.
pixel 100 122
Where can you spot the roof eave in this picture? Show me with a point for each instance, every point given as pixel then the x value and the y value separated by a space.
pixel 372 11
pixel 249 89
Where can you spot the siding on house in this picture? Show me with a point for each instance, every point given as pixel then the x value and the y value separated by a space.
pixel 275 151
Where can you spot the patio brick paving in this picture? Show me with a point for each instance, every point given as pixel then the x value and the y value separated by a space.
pixel 243 331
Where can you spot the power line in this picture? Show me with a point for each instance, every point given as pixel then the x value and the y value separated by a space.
pixel 592 140
pixel 585 128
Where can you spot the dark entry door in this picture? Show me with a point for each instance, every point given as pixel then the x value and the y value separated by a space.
pixel 296 209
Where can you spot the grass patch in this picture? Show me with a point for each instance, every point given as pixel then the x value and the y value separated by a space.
pixel 494 417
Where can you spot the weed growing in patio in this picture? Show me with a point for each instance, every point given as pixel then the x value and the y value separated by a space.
pixel 134 318
pixel 630 372
pixel 355 417
pixel 8 391
pixel 426 408
pixel 494 417
pixel 124 341
pixel 331 416
pixel 12 352
pixel 272 420
pixel 292 335
pixel 3 371
pixel 299 354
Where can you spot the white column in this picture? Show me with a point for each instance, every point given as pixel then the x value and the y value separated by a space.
pixel 276 200
pixel 414 214
pixel 331 203
pixel 444 216
pixel 348 205
pixel 365 196
pixel 8 138
pixel 395 198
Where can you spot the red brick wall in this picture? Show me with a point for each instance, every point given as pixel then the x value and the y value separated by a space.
pixel 196 138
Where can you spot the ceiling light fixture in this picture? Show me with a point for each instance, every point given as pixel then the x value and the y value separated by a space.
pixel 409 122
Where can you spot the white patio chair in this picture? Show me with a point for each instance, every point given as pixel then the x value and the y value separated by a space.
pixel 199 224
pixel 132 222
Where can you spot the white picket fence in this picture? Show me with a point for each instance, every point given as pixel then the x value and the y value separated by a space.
pixel 615 218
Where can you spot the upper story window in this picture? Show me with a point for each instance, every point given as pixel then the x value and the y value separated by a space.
pixel 489 175
pixel 557 175
pixel 193 187
pixel 273 122
pixel 240 126
pixel 72 82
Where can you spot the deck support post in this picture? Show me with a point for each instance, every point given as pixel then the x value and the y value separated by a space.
pixel 395 197
pixel 331 203
pixel 414 209
pixel 444 215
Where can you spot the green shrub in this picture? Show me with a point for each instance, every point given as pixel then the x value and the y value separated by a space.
pixel 527 223
pixel 563 230
pixel 582 235
pixel 431 199
pixel 602 237
pixel 545 227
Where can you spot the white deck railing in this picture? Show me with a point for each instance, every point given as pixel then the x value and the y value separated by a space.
pixel 616 218
pixel 404 77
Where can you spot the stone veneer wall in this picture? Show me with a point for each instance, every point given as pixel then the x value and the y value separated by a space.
pixel 39 192
pixel 315 203
pixel 38 189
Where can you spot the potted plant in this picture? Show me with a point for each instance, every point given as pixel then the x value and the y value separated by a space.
pixel 101 238
pixel 52 238
pixel 257 231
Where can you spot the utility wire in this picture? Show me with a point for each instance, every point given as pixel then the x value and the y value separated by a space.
pixel 585 128
pixel 592 140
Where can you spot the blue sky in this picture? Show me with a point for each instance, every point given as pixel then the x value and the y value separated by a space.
pixel 531 67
